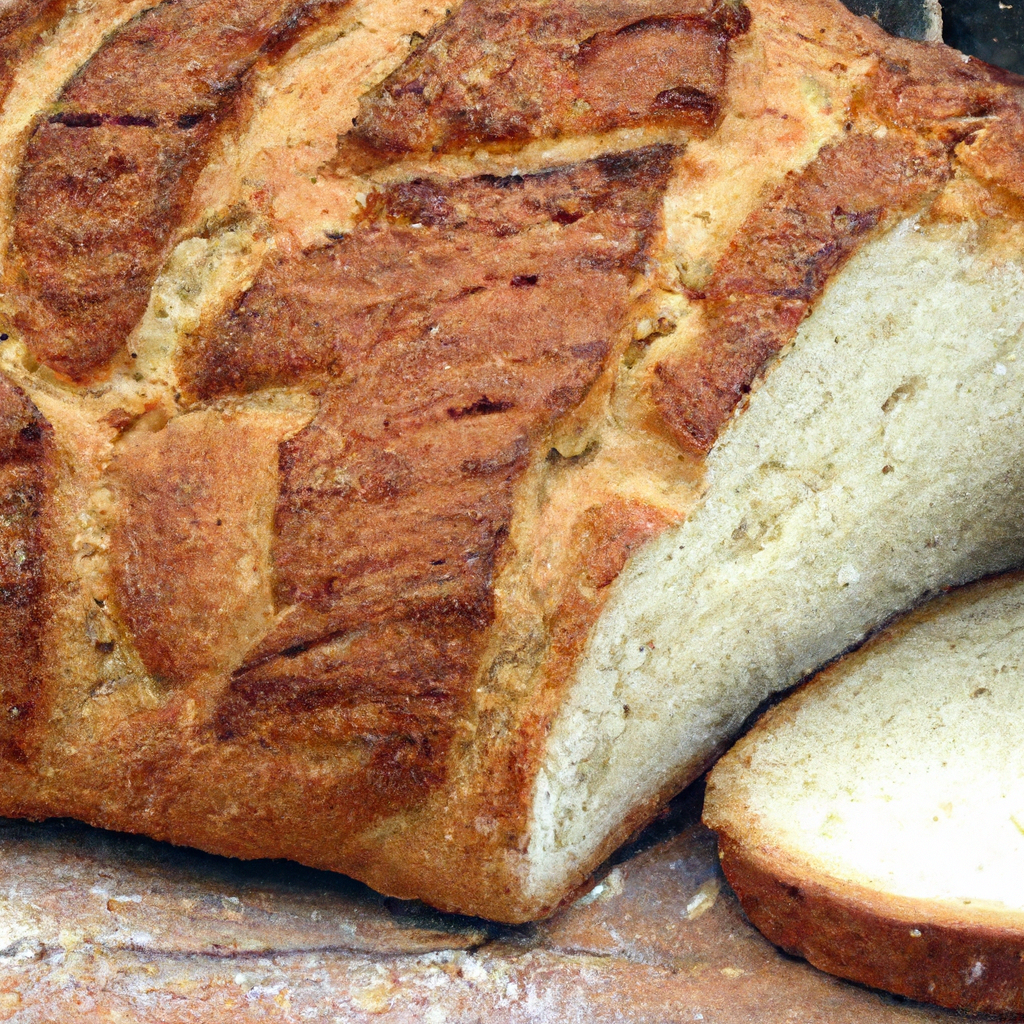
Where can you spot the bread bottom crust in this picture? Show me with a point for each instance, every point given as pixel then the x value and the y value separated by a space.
pixel 902 946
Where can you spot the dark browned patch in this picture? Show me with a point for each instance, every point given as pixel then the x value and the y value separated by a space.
pixel 26 479
pixel 437 382
pixel 496 73
pixel 389 696
pixel 935 91
pixel 425 280
pixel 779 263
pixel 108 176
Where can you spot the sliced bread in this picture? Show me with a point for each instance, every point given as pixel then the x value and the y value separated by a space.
pixel 874 821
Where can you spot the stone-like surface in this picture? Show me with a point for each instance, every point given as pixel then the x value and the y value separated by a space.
pixel 989 29
pixel 912 19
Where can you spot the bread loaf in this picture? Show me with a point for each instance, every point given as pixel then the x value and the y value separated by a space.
pixel 428 434
pixel 871 821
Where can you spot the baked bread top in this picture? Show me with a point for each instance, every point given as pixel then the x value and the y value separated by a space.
pixel 352 350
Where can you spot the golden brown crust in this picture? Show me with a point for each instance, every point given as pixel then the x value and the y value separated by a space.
pixel 26 479
pixel 379 703
pixel 781 259
pixel 108 174
pixel 455 255
pixel 861 936
pixel 187 551
pixel 937 91
pixel 389 696
pixel 460 314
pixel 994 156
pixel 778 265
pixel 95 210
pixel 496 74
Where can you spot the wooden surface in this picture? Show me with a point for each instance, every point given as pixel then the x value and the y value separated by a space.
pixel 105 927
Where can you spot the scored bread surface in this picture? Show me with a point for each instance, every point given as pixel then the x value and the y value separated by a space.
pixel 871 822
pixel 354 350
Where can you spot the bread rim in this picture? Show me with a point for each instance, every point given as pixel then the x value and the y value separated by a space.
pixel 931 951
pixel 959 954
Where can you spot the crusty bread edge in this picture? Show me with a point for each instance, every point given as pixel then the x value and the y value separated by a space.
pixel 960 956
pixel 913 948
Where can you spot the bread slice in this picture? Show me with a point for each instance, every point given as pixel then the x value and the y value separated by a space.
pixel 423 452
pixel 873 821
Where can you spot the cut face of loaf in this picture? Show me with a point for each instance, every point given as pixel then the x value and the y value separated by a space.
pixel 876 464
pixel 429 496
pixel 872 821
